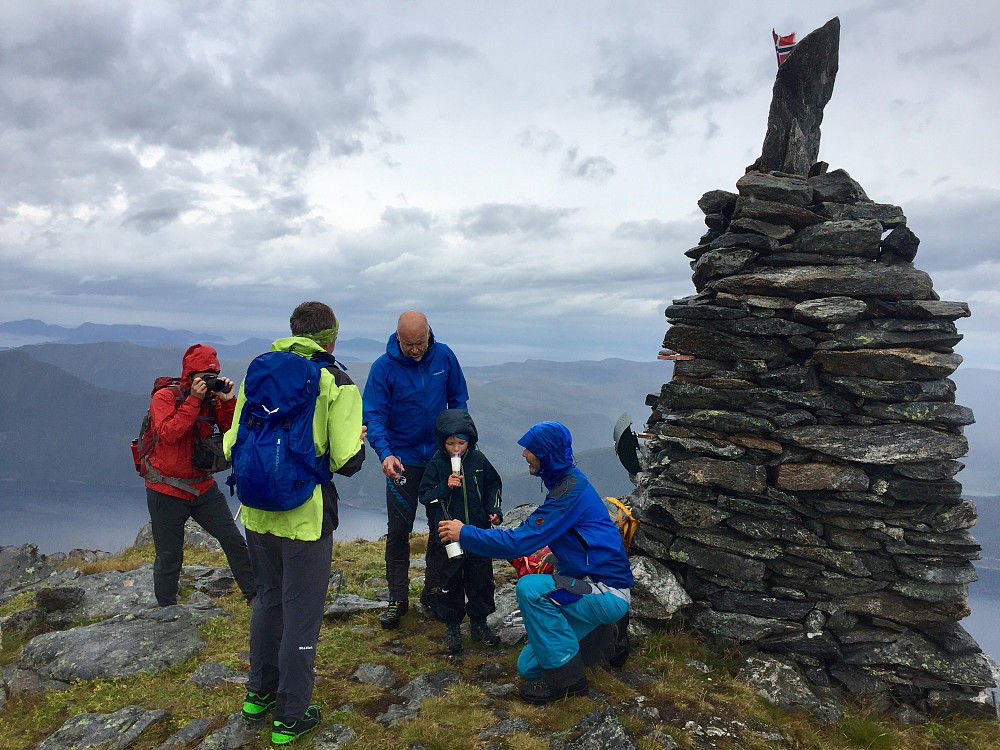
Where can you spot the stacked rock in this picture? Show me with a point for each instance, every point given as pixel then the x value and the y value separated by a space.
pixel 798 473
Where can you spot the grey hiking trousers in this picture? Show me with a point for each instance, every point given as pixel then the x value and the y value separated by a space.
pixel 292 578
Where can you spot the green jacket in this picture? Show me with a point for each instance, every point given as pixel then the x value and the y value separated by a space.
pixel 336 427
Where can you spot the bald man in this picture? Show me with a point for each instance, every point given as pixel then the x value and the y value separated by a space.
pixel 415 380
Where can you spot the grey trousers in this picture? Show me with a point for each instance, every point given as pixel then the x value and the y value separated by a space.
pixel 168 515
pixel 292 578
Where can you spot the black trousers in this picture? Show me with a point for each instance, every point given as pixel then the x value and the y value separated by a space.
pixel 401 509
pixel 292 579
pixel 464 585
pixel 169 514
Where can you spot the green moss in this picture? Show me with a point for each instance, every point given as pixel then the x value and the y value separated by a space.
pixel 20 602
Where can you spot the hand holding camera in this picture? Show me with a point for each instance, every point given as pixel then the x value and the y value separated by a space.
pixel 216 385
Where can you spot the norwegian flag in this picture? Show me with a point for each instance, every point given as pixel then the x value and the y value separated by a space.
pixel 783 45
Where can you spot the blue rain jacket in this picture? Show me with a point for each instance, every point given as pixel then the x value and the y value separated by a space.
pixel 573 521
pixel 403 397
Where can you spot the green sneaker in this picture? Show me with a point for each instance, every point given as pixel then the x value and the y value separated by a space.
pixel 284 732
pixel 256 705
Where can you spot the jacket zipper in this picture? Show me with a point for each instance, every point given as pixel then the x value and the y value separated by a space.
pixel 583 543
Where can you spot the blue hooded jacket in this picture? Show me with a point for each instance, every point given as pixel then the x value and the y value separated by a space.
pixel 402 398
pixel 573 521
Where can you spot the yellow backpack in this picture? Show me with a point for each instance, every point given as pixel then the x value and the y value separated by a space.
pixel 627 524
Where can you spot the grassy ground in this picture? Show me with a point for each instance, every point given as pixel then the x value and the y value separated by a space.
pixel 688 698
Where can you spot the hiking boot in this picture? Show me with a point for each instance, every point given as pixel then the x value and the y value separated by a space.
pixel 284 732
pixel 256 705
pixel 540 693
pixel 622 646
pixel 481 632
pixel 391 617
pixel 453 639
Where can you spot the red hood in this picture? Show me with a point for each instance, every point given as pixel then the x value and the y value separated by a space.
pixel 199 358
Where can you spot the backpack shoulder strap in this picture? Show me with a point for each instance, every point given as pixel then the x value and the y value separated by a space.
pixel 152 474
pixel 175 385
pixel 627 524
pixel 328 361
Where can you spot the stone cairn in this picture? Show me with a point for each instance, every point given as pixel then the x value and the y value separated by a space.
pixel 799 473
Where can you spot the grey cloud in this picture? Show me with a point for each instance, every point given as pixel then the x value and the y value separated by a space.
pixel 539 140
pixel 592 168
pixel 945 49
pixel 953 231
pixel 491 219
pixel 417 50
pixel 315 42
pixel 399 219
pixel 157 211
pixel 74 42
pixel 152 219
pixel 253 229
pixel 658 231
pixel 290 206
pixel 82 81
pixel 657 83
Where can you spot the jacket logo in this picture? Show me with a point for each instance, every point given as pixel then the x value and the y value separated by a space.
pixel 439 372
pixel 539 521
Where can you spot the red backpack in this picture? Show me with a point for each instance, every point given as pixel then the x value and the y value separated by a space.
pixel 208 450
pixel 143 445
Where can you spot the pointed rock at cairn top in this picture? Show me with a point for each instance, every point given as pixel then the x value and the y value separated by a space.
pixel 802 88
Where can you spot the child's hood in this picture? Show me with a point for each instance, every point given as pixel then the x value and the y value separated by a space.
pixel 455 422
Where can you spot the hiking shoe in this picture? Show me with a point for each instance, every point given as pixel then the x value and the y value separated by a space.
pixel 481 632
pixel 453 639
pixel 540 693
pixel 391 617
pixel 256 705
pixel 284 732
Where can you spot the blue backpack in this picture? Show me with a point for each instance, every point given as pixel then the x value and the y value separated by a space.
pixel 275 466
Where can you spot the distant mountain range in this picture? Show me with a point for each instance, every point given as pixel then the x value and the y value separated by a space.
pixel 69 410
pixel 18 333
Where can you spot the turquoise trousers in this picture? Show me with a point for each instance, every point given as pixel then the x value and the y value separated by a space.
pixel 555 629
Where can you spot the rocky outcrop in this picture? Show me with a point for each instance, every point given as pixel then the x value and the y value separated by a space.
pixel 799 473
pixel 112 731
pixel 802 88
pixel 121 646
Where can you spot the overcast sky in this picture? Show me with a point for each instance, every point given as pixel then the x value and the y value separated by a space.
pixel 525 172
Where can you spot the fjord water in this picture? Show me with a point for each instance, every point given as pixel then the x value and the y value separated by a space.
pixel 60 516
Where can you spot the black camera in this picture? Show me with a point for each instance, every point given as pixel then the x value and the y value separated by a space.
pixel 216 384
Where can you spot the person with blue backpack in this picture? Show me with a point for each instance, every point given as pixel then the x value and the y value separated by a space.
pixel 415 380
pixel 297 422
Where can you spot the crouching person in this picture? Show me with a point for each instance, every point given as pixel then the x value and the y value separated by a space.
pixel 592 584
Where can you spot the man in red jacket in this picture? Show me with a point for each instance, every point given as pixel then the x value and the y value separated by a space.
pixel 175 489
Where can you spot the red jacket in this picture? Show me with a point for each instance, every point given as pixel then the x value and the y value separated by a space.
pixel 175 424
